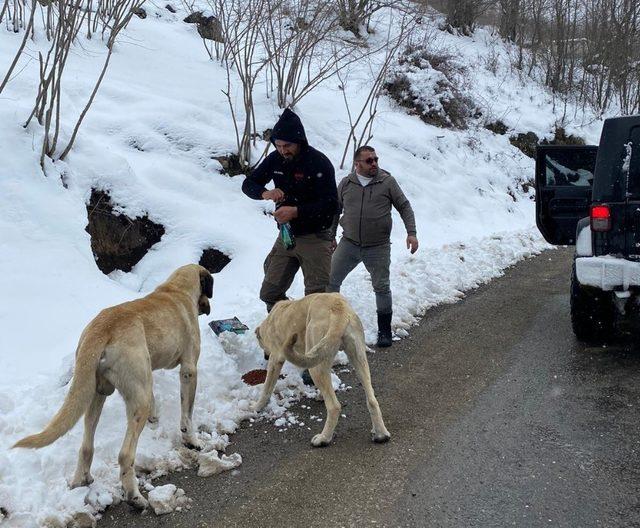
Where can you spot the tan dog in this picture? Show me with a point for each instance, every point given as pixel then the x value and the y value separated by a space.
pixel 118 350
pixel 309 332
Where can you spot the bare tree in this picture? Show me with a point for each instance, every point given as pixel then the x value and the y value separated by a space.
pixel 463 14
pixel 15 18
pixel 510 18
pixel 623 57
pixel 21 48
pixel 120 16
pixel 62 23
pixel 299 37
pixel 47 105
pixel 361 123
pixel 585 49
pixel 240 23
pixel 3 11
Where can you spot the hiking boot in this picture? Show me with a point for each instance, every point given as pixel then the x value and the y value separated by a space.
pixel 384 330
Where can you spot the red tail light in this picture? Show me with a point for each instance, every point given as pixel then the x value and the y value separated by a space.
pixel 600 218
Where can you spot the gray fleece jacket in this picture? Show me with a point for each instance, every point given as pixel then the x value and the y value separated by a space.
pixel 367 210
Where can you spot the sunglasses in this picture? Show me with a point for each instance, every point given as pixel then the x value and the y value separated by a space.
pixel 369 161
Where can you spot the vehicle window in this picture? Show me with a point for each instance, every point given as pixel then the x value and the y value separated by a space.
pixel 573 168
pixel 631 161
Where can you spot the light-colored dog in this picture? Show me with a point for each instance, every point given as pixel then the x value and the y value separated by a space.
pixel 118 350
pixel 309 332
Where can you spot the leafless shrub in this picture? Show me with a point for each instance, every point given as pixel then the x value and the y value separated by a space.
pixel 47 105
pixel 361 123
pixel 428 85
pixel 463 14
pixel 189 5
pixel 241 21
pixel 492 60
pixel 511 18
pixel 497 127
pixel 299 39
pixel 21 48
pixel 526 143
pixel 15 13
pixel 355 15
pixel 62 23
pixel 120 16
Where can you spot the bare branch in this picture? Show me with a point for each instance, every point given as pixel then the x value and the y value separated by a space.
pixel 369 108
pixel 21 48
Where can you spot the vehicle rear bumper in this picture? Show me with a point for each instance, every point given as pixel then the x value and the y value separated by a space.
pixel 608 273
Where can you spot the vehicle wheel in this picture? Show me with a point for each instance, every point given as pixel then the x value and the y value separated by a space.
pixel 592 312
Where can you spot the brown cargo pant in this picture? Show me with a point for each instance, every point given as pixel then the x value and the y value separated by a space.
pixel 312 253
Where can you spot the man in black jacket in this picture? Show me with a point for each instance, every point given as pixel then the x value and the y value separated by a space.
pixel 306 199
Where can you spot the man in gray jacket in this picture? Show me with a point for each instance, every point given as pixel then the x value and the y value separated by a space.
pixel 366 197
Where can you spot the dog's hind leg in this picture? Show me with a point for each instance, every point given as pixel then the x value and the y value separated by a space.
pixel 153 413
pixel 273 371
pixel 138 405
pixel 83 476
pixel 321 376
pixel 134 381
pixel 357 353
pixel 188 385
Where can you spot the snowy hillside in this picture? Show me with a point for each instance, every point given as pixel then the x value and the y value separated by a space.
pixel 158 120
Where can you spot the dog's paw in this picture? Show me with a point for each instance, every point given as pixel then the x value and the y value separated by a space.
pixel 256 407
pixel 85 480
pixel 380 438
pixel 320 440
pixel 152 422
pixel 138 502
pixel 192 442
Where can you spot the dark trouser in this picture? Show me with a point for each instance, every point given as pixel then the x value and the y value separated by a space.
pixel 312 253
pixel 375 258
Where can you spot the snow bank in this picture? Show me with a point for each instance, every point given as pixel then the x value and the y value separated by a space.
pixel 166 499
pixel 210 464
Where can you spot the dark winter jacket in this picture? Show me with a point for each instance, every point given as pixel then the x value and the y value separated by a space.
pixel 367 210
pixel 308 181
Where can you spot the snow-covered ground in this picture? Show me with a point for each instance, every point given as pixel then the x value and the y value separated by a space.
pixel 149 139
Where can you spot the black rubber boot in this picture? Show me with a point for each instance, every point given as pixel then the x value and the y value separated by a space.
pixel 384 330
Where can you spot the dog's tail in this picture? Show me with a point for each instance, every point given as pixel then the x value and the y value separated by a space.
pixel 83 388
pixel 326 347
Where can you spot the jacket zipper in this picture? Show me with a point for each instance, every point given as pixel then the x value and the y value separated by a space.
pixel 361 209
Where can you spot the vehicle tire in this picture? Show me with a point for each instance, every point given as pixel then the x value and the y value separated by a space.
pixel 592 312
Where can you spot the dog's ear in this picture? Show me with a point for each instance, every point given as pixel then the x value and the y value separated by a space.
pixel 204 308
pixel 206 283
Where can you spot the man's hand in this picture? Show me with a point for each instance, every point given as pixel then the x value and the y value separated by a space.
pixel 412 244
pixel 333 246
pixel 275 195
pixel 285 213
